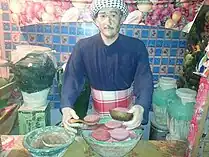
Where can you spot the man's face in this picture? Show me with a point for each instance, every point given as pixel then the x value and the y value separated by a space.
pixel 108 21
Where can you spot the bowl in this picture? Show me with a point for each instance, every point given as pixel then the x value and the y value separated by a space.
pixel 120 115
pixel 111 149
pixel 33 142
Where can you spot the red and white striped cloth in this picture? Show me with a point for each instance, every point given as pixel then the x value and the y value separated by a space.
pixel 103 101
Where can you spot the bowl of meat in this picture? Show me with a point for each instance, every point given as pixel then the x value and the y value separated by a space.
pixel 110 138
pixel 50 141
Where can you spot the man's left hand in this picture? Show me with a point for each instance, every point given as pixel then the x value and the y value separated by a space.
pixel 137 111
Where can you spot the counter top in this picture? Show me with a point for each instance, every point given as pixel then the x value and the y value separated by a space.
pixel 81 149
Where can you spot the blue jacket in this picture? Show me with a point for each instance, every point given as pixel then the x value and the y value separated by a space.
pixel 109 68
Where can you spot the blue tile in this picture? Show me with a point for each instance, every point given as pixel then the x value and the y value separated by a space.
pixel 5 17
pixel 47 28
pixel 6 26
pixel 156 69
pixel 184 35
pixel 48 45
pixel 5 6
pixel 164 61
pixel 172 61
pixel 56 39
pixel 144 27
pixel 72 24
pixel 95 31
pixel 39 28
pixel 71 49
pixel 31 28
pixel 151 43
pixel 144 33
pixel 64 30
pixel 8 45
pixel 182 44
pixel 158 52
pixel 155 77
pixel 80 31
pixel 56 104
pixel 40 38
pixel 56 97
pixel 56 90
pixel 167 43
pixel 64 48
pixel 50 97
pixel 88 32
pixel 72 40
pixel 174 44
pixel 57 48
pixel 173 52
pixel 161 34
pixel 24 37
pixel 56 28
pixel 179 61
pixel 176 35
pixel 156 61
pixel 7 36
pixel 129 33
pixel 90 25
pixel 159 43
pixel 168 34
pixel 145 42
pixel 150 60
pixel 72 31
pixel 171 70
pixel 15 28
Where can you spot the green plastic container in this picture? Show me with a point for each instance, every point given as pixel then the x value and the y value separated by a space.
pixel 180 112
pixel 166 90
pixel 82 102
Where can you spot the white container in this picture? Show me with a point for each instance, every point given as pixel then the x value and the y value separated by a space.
pixel 36 99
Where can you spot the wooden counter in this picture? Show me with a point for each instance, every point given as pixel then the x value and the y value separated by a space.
pixel 143 149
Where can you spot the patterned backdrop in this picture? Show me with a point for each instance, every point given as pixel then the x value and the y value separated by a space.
pixel 165 46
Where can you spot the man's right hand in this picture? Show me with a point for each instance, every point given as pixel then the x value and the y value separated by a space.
pixel 68 113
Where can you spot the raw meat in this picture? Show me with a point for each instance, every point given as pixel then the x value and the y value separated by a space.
pixel 113 124
pixel 103 127
pixel 112 140
pixel 92 118
pixel 101 135
pixel 119 134
pixel 132 135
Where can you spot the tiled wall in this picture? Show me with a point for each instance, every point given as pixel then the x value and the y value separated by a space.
pixel 165 47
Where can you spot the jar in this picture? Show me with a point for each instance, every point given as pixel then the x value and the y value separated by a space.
pixel 157 132
pixel 166 90
pixel 180 112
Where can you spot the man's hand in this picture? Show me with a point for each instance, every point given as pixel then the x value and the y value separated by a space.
pixel 137 111
pixel 69 113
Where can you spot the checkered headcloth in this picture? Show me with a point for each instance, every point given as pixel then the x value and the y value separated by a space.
pixel 97 5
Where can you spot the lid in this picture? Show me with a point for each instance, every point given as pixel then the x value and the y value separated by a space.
pixel 186 95
pixel 167 83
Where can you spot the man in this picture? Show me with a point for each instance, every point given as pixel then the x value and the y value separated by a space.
pixel 111 62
